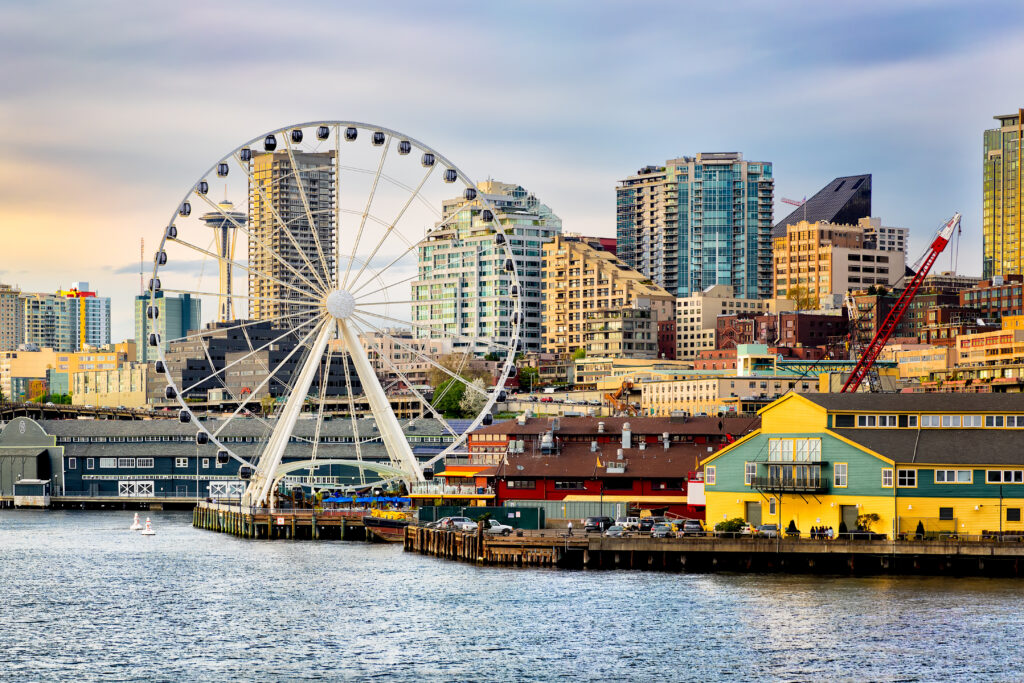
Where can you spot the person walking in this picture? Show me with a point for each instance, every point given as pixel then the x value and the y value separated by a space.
pixel 570 527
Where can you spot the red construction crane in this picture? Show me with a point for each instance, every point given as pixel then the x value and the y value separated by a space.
pixel 885 330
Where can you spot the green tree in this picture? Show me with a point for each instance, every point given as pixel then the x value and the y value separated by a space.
pixel 579 353
pixel 529 377
pixel 491 356
pixel 805 300
pixel 447 398
pixel 730 525
pixel 865 521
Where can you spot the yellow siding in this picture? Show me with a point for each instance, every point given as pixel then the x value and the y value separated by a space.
pixel 793 414
pixel 805 511
pixel 968 520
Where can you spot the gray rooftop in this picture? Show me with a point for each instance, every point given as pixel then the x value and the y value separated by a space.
pixel 237 427
pixel 937 402
pixel 942 446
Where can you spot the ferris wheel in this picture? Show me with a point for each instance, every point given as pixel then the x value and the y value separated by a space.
pixel 342 271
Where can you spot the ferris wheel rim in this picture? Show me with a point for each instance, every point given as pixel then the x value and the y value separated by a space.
pixel 440 159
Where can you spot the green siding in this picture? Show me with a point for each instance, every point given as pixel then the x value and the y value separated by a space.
pixel 864 471
pixel 927 488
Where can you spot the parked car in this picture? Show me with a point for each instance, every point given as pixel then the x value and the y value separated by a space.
pixel 769 530
pixel 458 523
pixel 628 523
pixel 646 523
pixel 569 402
pixel 438 523
pixel 662 531
pixel 615 531
pixel 496 528
pixel 693 527
pixel 594 402
pixel 597 524
pixel 546 399
pixel 748 530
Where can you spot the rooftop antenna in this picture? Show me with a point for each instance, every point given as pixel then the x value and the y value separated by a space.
pixel 142 259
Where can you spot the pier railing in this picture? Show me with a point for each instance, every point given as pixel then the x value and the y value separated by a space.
pixel 438 489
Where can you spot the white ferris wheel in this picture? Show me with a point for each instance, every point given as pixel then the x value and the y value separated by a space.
pixel 336 265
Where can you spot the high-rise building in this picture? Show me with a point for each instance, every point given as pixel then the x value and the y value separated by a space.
pixel 1003 201
pixel 279 221
pixel 92 313
pixel 845 200
pixel 816 259
pixel 12 321
pixel 697 222
pixel 176 316
pixel 51 321
pixel 461 284
pixel 584 284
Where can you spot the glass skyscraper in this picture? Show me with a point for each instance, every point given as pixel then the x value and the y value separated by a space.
pixel 1002 210
pixel 699 221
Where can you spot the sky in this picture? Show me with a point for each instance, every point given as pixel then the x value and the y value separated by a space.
pixel 112 110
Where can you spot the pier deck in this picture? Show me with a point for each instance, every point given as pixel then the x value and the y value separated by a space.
pixel 308 524
pixel 551 548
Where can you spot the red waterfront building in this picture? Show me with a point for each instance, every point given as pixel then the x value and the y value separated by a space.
pixel 643 462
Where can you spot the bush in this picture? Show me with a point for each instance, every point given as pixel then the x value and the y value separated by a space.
pixel 730 525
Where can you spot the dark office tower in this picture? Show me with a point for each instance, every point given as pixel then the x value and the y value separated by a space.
pixel 845 200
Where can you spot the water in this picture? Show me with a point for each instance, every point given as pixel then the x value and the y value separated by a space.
pixel 81 597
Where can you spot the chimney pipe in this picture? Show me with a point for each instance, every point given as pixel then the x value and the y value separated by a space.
pixel 627 436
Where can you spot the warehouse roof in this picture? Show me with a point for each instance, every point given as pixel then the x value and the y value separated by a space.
pixel 338 426
pixel 937 402
pixel 941 446
pixel 578 461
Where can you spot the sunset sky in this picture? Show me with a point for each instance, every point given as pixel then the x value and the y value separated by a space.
pixel 111 111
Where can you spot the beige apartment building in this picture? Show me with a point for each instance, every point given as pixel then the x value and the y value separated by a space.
pixel 697 316
pixel 712 395
pixel 400 353
pixel 584 285
pixel 813 260
pixel 920 361
pixel 131 385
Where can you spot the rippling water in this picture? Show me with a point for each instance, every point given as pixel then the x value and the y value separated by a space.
pixel 82 597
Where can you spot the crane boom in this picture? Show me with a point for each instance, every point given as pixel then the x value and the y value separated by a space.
pixel 885 330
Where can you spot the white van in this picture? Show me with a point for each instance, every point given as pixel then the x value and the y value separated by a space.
pixel 549 390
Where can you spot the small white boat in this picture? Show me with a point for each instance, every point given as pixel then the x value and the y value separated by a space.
pixel 136 524
pixel 148 531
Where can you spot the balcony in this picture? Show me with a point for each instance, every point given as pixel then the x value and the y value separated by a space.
pixel 790 484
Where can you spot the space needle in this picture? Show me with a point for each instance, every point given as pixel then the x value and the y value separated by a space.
pixel 224 224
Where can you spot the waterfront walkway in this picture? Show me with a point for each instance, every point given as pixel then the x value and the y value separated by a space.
pixel 551 548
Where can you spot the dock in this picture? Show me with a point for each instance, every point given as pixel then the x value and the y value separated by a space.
pixel 294 524
pixel 553 548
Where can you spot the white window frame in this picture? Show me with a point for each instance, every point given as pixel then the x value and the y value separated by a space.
pixel 888 474
pixel 749 472
pixel 951 421
pixel 971 421
pixel 181 462
pixel 954 476
pixel 887 421
pixel 907 475
pixel 126 462
pixel 994 421
pixel 144 463
pixel 108 463
pixel 206 463
pixel 840 475
pixel 90 463
pixel 867 420
pixel 709 475
pixel 773 449
pixel 931 420
pixel 771 507
pixel 72 463
pixel 912 421
pixel 1004 477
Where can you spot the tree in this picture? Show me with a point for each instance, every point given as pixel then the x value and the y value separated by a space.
pixel 491 356
pixel 447 398
pixel 872 291
pixel 805 300
pixel 267 405
pixel 473 401
pixel 733 525
pixel 464 365
pixel 529 377
pixel 865 521
pixel 579 353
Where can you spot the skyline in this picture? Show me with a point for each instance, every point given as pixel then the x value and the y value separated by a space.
pixel 117 111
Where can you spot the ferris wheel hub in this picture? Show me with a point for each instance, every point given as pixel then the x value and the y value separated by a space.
pixel 340 304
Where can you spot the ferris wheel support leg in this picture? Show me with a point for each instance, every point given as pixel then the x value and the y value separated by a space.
pixel 259 486
pixel 390 431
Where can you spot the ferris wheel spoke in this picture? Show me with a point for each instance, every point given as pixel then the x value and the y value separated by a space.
pixel 441 224
pixel 293 302
pixel 251 353
pixel 387 231
pixel 202 334
pixel 366 211
pixel 249 235
pixel 269 377
pixel 405 380
pixel 356 438
pixel 435 330
pixel 337 208
pixel 235 264
pixel 390 286
pixel 254 183
pixel 360 304
pixel 313 228
pixel 426 358
pixel 324 377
